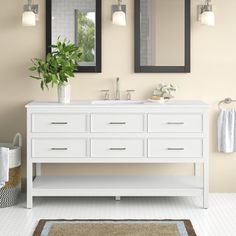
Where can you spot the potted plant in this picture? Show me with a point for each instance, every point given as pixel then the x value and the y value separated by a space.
pixel 164 91
pixel 57 68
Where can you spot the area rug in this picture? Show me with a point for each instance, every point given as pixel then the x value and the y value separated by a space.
pixel 114 228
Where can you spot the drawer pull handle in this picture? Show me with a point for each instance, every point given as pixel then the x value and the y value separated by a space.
pixel 175 123
pixel 59 149
pixel 175 149
pixel 59 123
pixel 117 149
pixel 117 123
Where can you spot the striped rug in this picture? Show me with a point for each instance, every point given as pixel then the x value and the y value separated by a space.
pixel 114 228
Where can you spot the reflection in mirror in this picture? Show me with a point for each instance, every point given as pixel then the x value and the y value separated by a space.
pixel 78 21
pixel 85 36
pixel 162 32
pixel 162 35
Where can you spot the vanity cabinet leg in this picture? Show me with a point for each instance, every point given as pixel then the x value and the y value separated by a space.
pixel 205 186
pixel 29 201
pixel 29 185
pixel 197 169
pixel 117 198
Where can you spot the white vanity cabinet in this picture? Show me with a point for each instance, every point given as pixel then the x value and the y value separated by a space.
pixel 81 132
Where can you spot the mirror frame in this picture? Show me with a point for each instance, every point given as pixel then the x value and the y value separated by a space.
pixel 163 69
pixel 92 69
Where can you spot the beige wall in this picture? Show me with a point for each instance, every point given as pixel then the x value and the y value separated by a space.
pixel 213 77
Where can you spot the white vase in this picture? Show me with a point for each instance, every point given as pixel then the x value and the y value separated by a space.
pixel 64 93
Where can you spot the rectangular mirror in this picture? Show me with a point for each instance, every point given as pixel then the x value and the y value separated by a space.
pixel 78 21
pixel 162 36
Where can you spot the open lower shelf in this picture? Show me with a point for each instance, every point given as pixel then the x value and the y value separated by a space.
pixel 117 186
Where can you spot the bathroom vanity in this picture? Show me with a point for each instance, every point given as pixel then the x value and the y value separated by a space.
pixel 97 132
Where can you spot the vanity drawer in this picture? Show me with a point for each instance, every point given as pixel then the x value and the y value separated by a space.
pixel 52 147
pixel 175 148
pixel 172 123
pixel 56 123
pixel 117 148
pixel 126 123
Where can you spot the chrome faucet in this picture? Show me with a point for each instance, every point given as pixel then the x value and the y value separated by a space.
pixel 117 95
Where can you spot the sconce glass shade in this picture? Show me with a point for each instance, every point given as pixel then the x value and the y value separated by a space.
pixel 119 18
pixel 208 18
pixel 28 18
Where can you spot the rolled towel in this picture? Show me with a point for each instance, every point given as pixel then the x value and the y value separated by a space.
pixel 4 166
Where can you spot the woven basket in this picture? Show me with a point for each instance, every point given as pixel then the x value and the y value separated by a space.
pixel 10 192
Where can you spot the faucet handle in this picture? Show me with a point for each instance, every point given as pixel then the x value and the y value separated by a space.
pixel 106 93
pixel 129 91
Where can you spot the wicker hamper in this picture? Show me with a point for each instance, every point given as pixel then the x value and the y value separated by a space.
pixel 10 192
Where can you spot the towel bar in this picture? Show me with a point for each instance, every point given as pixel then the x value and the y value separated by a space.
pixel 226 101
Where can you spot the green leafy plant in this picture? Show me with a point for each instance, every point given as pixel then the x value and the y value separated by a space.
pixel 58 66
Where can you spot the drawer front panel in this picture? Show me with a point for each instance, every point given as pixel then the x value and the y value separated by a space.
pixel 107 123
pixel 188 123
pixel 117 148
pixel 56 123
pixel 66 148
pixel 192 148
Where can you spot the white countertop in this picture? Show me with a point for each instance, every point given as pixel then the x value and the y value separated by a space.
pixel 172 103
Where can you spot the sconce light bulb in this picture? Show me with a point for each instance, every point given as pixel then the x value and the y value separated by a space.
pixel 28 18
pixel 208 18
pixel 119 18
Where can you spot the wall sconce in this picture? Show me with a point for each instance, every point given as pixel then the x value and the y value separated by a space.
pixel 119 14
pixel 30 14
pixel 207 16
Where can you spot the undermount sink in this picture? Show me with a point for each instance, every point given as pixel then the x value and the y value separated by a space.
pixel 116 102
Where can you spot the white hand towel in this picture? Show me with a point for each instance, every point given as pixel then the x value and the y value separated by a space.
pixel 227 131
pixel 4 166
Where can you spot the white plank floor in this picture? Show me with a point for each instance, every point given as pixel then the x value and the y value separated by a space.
pixel 218 220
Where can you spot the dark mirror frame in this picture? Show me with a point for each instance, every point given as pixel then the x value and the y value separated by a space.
pixel 92 69
pixel 163 69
